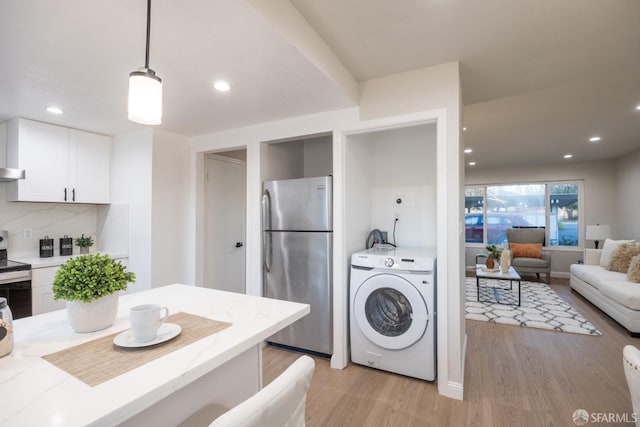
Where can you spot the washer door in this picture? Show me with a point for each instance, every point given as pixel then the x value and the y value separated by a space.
pixel 390 311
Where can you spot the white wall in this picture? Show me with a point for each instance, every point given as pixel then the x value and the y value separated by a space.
pixel 404 166
pixel 628 180
pixel 282 160
pixel 150 175
pixel 357 188
pixel 318 156
pixel 170 201
pixel 396 163
pixel 600 200
pixel 428 89
pixel 131 184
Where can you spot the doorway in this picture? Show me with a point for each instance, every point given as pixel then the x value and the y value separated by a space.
pixel 225 220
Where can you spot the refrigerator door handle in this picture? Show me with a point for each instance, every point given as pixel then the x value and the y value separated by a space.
pixel 267 250
pixel 266 210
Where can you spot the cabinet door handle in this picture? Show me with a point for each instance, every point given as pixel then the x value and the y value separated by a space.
pixel 65 194
pixel 73 195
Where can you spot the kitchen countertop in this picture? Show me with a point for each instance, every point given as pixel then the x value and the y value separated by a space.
pixel 36 393
pixel 37 262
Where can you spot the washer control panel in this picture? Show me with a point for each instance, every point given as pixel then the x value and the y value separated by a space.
pixel 373 258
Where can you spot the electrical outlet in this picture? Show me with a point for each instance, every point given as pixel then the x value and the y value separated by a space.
pixel 396 216
pixel 27 233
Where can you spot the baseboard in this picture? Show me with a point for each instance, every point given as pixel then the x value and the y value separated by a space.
pixel 452 389
pixel 561 274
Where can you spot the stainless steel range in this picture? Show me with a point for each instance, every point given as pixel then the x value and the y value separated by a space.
pixel 15 281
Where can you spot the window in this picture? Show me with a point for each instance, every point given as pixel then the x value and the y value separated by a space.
pixel 553 206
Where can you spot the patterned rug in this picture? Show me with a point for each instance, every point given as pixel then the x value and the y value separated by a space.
pixel 540 307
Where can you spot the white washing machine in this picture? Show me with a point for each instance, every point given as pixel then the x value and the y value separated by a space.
pixel 393 311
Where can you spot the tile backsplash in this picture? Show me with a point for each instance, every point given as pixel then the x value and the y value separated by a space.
pixel 44 219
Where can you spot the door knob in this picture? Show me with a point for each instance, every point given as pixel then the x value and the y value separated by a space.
pixel 238 244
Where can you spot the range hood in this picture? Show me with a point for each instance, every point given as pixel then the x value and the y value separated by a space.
pixel 10 174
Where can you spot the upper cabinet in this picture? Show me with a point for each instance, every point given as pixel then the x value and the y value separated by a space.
pixel 61 164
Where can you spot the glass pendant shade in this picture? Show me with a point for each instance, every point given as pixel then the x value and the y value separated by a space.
pixel 145 97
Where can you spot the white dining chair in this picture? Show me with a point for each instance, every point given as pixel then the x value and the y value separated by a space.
pixel 279 404
pixel 631 362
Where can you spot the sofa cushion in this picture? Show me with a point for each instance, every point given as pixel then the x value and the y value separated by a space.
pixel 624 293
pixel 633 275
pixel 526 250
pixel 621 257
pixel 594 275
pixel 608 248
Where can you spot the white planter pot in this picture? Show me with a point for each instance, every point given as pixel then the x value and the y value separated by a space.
pixel 93 316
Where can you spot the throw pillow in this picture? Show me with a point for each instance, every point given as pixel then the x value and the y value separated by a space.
pixel 621 257
pixel 526 250
pixel 608 248
pixel 633 275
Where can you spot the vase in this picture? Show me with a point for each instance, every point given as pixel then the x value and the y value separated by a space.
pixel 490 263
pixel 505 261
pixel 84 249
pixel 92 316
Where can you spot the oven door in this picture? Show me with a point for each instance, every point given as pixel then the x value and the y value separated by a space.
pixel 18 295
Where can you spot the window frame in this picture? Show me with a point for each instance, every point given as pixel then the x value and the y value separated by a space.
pixel 547 206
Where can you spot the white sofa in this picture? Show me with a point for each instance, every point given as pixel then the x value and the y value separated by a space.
pixel 608 290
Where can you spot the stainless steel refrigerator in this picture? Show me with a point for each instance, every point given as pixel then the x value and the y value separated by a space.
pixel 297 252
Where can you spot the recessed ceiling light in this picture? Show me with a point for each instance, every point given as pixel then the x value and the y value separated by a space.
pixel 468 150
pixel 222 86
pixel 568 156
pixel 472 163
pixel 637 107
pixel 464 128
pixel 54 110
pixel 594 139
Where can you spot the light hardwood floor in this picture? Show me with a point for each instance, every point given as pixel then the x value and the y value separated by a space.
pixel 513 377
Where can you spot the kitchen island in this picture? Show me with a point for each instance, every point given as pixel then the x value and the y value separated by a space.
pixel 224 367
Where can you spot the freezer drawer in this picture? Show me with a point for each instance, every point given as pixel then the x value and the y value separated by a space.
pixel 298 267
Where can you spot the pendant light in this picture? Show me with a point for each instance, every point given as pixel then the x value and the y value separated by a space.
pixel 145 89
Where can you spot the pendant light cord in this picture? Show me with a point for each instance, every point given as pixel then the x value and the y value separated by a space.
pixel 146 58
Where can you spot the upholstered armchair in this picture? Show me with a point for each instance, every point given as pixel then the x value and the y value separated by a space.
pixel 527 255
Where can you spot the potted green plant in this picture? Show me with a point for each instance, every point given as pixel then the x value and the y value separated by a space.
pixel 84 242
pixel 494 255
pixel 90 285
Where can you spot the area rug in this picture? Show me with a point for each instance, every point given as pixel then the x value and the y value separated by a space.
pixel 540 307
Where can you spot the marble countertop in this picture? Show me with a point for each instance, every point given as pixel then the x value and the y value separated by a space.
pixel 36 393
pixel 54 261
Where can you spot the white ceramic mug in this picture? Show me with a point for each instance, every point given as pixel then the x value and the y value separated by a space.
pixel 146 320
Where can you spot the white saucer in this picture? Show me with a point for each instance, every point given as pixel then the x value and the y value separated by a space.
pixel 166 332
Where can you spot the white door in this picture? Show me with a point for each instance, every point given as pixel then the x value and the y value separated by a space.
pixel 224 254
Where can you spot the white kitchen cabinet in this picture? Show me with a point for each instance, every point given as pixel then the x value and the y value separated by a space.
pixel 42 291
pixel 89 166
pixel 61 164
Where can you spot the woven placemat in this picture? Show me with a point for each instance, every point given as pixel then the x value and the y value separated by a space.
pixel 100 360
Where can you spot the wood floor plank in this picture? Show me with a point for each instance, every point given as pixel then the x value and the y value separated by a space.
pixel 514 376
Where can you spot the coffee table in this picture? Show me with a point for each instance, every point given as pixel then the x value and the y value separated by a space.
pixel 511 275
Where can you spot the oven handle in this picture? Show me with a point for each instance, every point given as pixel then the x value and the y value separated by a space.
pixel 15 276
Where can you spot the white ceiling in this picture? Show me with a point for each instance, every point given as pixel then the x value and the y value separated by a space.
pixel 538 76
